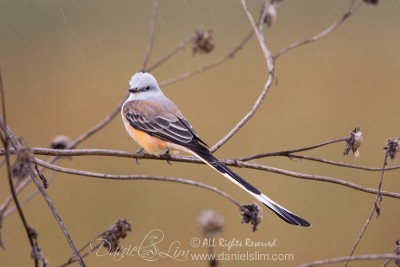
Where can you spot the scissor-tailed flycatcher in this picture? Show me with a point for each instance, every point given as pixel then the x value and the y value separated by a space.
pixel 157 125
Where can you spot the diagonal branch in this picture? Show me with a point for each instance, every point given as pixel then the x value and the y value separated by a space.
pixel 180 46
pixel 152 30
pixel 350 11
pixel 230 55
pixel 267 86
pixel 375 208
pixel 6 141
pixel 17 146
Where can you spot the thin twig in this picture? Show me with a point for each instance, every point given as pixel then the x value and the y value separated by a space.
pixel 17 146
pixel 73 259
pixel 341 164
pixel 100 125
pixel 350 11
pixel 267 86
pixel 73 144
pixel 135 177
pixel 5 140
pixel 236 163
pixel 386 263
pixel 230 55
pixel 354 258
pixel 152 31
pixel 190 159
pixel 375 208
pixel 127 154
pixel 180 46
pixel 290 151
pixel 310 177
pixel 9 211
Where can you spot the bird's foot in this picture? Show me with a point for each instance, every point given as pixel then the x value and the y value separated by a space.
pixel 168 156
pixel 141 153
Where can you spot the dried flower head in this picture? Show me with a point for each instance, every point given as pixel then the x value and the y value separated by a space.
pixel 392 147
pixel 397 252
pixel 211 223
pixel 354 142
pixel 268 12
pixel 252 213
pixel 117 231
pixel 60 142
pixel 17 169
pixel 203 43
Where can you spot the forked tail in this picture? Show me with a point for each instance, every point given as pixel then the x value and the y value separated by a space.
pixel 283 213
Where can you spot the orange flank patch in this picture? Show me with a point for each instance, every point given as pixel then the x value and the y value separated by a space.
pixel 149 143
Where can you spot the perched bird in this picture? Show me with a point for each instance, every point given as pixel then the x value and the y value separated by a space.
pixel 158 126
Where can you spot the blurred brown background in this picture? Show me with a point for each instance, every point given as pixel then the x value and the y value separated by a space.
pixel 66 65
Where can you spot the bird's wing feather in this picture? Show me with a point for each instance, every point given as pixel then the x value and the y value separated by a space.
pixel 168 125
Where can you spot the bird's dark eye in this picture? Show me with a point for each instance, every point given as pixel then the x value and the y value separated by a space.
pixel 147 88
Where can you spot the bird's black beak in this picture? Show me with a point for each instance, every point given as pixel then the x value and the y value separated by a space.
pixel 133 90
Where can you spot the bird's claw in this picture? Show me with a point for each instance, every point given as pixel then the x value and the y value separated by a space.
pixel 141 152
pixel 168 156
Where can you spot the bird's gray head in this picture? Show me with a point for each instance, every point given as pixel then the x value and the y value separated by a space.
pixel 143 85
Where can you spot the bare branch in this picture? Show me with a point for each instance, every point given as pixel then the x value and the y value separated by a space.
pixel 354 258
pixel 99 125
pixel 29 197
pixel 289 152
pixel 341 164
pixel 135 177
pixel 190 159
pixel 310 177
pixel 17 146
pixel 5 141
pixel 229 55
pixel 267 86
pixel 180 46
pixel 375 207
pixel 151 35
pixel 350 11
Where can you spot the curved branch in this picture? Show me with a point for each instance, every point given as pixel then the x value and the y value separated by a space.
pixel 267 86
pixel 313 177
pixel 350 11
pixel 341 164
pixel 211 65
pixel 134 177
